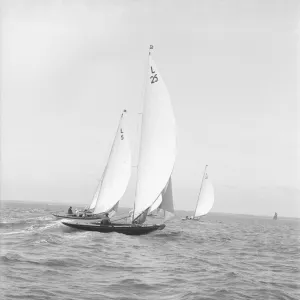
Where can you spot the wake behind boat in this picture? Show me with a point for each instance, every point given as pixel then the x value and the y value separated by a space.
pixel 157 154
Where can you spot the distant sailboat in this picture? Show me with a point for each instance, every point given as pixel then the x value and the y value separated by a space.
pixel 205 198
pixel 114 181
pixel 275 216
pixel 156 159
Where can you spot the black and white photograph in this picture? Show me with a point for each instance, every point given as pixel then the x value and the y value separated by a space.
pixel 149 149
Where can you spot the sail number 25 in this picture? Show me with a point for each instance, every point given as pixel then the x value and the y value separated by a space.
pixel 154 77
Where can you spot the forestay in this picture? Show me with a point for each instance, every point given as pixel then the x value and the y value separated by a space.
pixel 117 172
pixel 158 142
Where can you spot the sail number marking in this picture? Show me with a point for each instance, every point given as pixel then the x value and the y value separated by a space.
pixel 154 77
pixel 122 134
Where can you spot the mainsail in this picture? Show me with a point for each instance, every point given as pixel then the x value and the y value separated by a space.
pixel 158 143
pixel 206 196
pixel 116 174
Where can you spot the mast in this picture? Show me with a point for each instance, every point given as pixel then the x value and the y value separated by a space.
pixel 137 166
pixel 200 189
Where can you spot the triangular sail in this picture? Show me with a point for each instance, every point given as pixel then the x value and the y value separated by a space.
pixel 158 142
pixel 164 202
pixel 114 210
pixel 142 217
pixel 206 197
pixel 167 201
pixel 117 172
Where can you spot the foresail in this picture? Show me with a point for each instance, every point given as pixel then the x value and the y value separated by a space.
pixel 142 217
pixel 117 173
pixel 158 142
pixel 206 198
pixel 167 201
pixel 113 211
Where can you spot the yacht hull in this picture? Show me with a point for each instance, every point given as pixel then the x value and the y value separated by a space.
pixel 129 229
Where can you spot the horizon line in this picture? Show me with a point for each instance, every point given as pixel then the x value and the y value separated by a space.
pixel 178 210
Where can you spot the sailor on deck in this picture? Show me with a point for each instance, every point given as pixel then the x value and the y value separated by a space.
pixel 105 220
pixel 70 212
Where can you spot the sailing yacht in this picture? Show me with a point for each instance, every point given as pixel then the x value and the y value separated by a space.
pixel 205 200
pixel 114 181
pixel 157 153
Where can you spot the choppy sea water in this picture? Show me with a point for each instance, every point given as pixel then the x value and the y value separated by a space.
pixel 222 257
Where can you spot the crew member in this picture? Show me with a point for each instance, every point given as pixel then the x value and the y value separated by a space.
pixel 105 220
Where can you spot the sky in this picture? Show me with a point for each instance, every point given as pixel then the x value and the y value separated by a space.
pixel 69 68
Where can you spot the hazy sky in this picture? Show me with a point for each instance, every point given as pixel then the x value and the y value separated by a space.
pixel 69 68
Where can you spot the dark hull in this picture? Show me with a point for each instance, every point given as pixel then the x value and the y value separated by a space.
pixel 120 228
pixel 74 217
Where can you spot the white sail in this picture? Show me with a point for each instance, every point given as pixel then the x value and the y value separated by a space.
pixel 155 205
pixel 114 210
pixel 206 197
pixel 96 196
pixel 117 172
pixel 158 142
pixel 142 217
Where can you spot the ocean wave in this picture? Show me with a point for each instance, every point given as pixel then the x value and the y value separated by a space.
pixel 235 258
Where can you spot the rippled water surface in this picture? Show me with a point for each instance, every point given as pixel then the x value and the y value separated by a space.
pixel 221 257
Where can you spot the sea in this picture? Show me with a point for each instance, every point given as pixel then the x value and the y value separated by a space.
pixel 223 256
